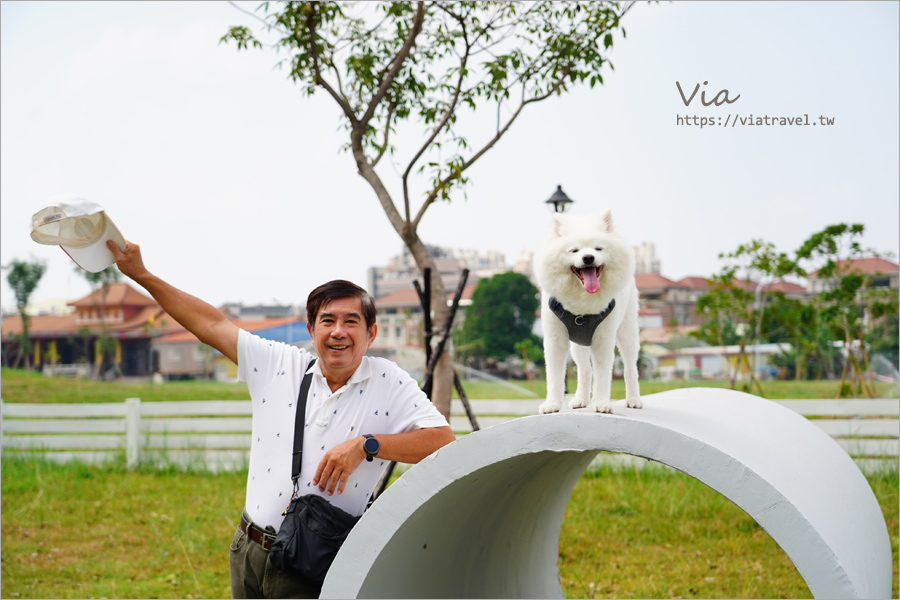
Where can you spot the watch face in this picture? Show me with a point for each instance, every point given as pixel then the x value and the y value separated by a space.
pixel 371 445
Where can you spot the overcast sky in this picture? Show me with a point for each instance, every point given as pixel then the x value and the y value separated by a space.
pixel 234 184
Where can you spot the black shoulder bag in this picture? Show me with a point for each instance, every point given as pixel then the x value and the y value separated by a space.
pixel 313 529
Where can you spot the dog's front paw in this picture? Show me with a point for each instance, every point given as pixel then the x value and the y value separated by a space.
pixel 549 406
pixel 578 402
pixel 634 402
pixel 603 406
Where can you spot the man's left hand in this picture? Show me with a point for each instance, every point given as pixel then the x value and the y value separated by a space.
pixel 410 447
pixel 338 464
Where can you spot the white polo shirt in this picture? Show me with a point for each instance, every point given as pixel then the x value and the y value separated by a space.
pixel 380 397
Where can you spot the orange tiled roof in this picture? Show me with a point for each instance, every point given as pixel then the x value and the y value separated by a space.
pixel 409 296
pixel 119 294
pixel 869 266
pixel 779 286
pixel 47 325
pixel 652 280
pixel 785 286
pixel 694 283
pixel 404 297
pixel 39 324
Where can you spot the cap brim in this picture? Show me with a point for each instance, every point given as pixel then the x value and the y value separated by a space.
pixel 96 256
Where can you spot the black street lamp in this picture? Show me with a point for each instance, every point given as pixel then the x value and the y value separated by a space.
pixel 559 200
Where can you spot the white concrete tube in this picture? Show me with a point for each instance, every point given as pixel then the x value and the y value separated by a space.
pixel 481 517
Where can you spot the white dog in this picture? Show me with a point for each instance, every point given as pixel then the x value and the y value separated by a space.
pixel 588 297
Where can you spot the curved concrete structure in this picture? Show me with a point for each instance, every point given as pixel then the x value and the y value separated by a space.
pixel 481 517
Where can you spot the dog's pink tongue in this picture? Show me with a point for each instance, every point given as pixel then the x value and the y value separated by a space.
pixel 590 280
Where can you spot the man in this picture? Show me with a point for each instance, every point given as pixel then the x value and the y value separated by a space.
pixel 351 399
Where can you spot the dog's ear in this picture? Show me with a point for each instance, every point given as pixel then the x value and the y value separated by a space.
pixel 606 222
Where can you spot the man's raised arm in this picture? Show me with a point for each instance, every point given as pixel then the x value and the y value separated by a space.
pixel 200 318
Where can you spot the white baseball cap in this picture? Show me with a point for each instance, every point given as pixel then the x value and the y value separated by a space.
pixel 81 228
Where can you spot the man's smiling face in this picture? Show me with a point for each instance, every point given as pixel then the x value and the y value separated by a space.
pixel 341 338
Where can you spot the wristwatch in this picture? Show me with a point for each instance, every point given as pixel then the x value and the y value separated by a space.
pixel 371 446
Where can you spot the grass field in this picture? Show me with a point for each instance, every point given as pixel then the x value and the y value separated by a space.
pixel 87 531
pixel 774 390
pixel 658 533
pixel 75 531
pixel 93 532
pixel 22 386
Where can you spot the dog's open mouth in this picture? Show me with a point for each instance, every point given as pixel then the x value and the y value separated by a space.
pixel 590 278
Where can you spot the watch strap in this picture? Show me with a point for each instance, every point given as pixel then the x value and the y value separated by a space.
pixel 370 455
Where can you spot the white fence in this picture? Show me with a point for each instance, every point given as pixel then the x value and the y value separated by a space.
pixel 215 434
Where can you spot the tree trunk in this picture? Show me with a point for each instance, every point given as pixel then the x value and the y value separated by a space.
pixel 24 342
pixel 857 369
pixel 442 379
pixel 737 365
pixel 843 377
pixel 442 386
pixel 871 383
pixel 20 352
pixel 848 360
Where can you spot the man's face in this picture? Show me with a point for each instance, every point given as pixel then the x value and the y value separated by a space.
pixel 341 338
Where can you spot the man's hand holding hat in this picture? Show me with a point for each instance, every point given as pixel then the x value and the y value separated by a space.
pixel 129 261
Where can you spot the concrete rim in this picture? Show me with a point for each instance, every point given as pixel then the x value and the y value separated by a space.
pixel 481 517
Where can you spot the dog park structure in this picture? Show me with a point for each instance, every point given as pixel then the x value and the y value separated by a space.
pixel 480 518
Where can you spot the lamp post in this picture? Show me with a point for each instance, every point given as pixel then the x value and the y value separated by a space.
pixel 559 200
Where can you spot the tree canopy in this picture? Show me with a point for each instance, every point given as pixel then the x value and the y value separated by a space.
pixel 845 316
pixel 501 315
pixel 23 279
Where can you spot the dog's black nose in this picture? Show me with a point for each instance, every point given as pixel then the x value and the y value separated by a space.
pixel 588 259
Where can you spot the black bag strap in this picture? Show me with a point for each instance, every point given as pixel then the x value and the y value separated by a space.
pixel 298 424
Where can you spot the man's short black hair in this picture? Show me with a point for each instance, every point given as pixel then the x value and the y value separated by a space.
pixel 333 290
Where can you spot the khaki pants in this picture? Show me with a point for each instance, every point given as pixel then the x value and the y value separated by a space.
pixel 254 576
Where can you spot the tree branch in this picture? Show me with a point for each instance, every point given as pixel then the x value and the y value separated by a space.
pixel 384 146
pixel 321 81
pixel 260 19
pixel 447 114
pixel 398 63
pixel 432 196
pixel 628 6
pixel 340 84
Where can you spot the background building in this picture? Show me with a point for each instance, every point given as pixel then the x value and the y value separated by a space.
pixel 146 340
pixel 402 270
pixel 645 260
pixel 120 312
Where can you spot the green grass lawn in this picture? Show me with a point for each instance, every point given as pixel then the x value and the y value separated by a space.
pixel 87 531
pixel 774 390
pixel 92 532
pixel 22 386
pixel 75 531
pixel 658 533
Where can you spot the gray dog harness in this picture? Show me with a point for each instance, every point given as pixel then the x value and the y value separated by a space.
pixel 581 328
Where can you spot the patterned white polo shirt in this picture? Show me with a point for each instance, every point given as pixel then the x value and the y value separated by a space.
pixel 380 397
